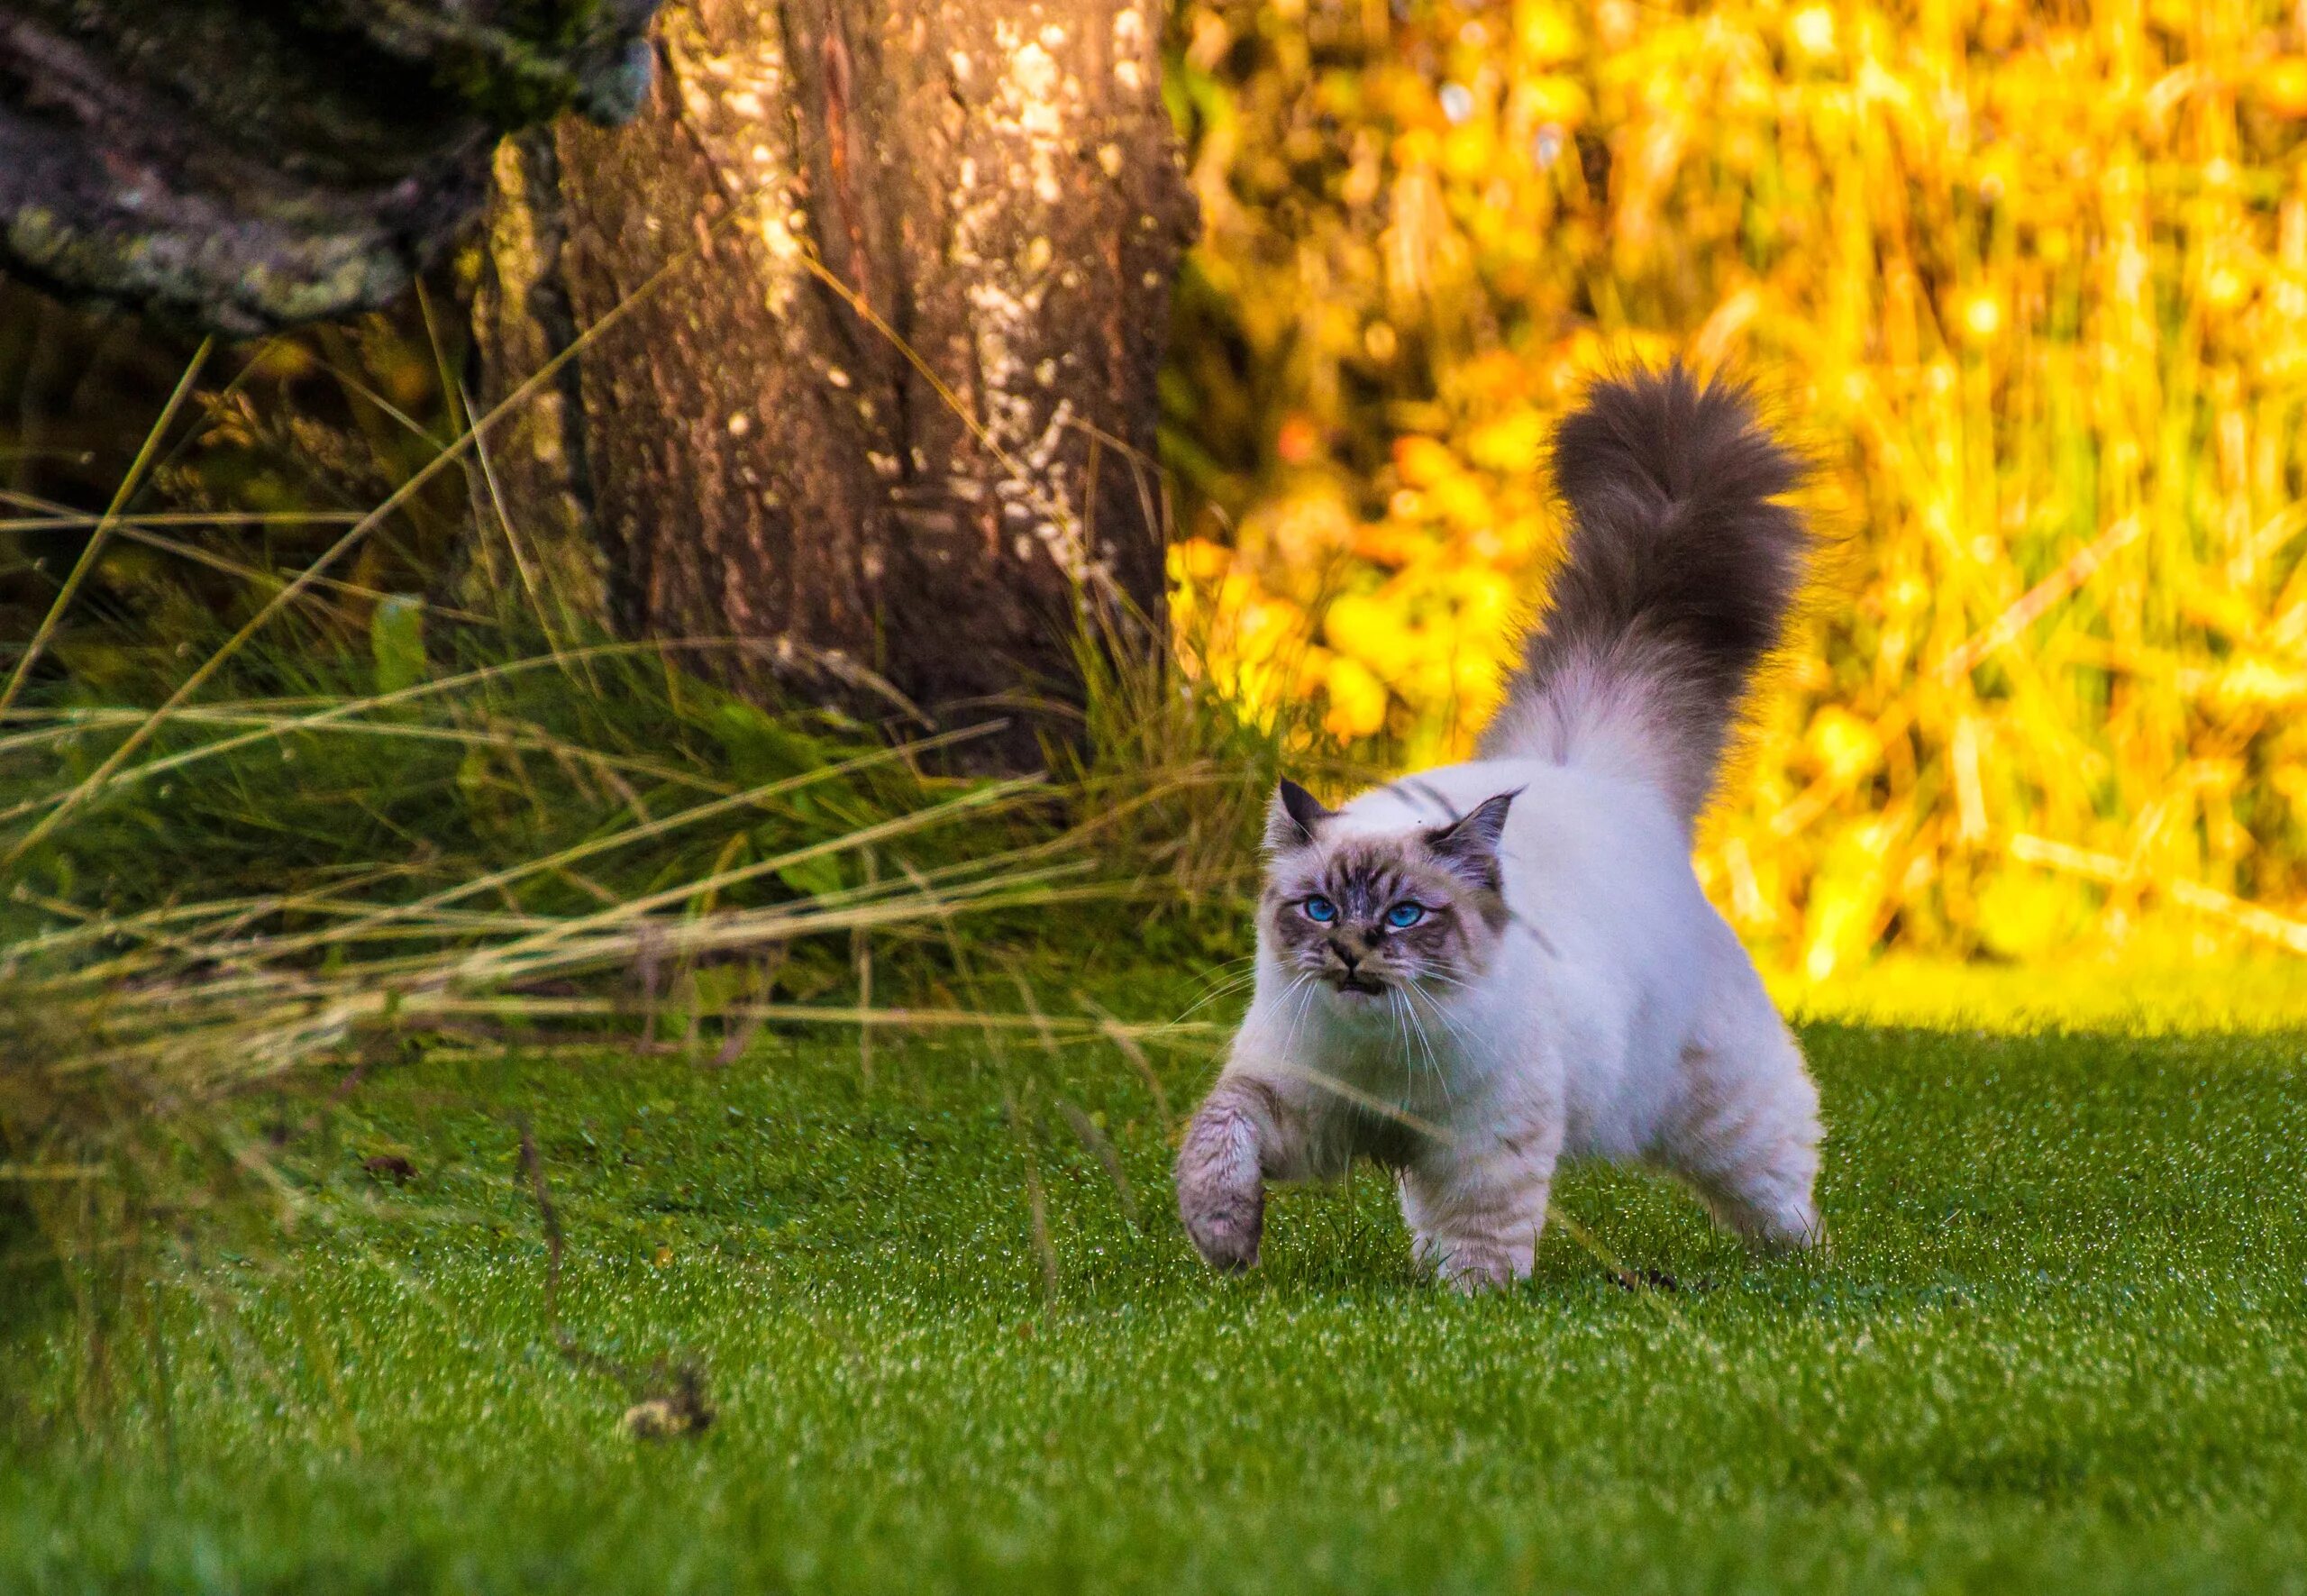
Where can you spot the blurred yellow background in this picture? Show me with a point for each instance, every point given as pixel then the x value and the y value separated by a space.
pixel 2028 282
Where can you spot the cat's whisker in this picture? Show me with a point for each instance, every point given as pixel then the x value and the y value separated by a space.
pixel 1400 1007
pixel 1217 980
pixel 1218 994
pixel 1225 968
pixel 1441 1075
pixel 1302 986
pixel 1403 1001
pixel 1443 1014
pixel 1239 983
pixel 1457 1027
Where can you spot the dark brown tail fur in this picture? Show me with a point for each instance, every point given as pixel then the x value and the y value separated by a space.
pixel 1681 568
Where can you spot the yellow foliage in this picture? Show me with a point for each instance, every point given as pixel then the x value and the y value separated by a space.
pixel 2029 284
pixel 1844 747
pixel 1357 699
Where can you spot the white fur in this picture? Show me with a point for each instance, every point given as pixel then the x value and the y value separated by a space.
pixel 1617 1017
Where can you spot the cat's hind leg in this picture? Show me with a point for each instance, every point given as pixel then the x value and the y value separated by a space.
pixel 1745 1129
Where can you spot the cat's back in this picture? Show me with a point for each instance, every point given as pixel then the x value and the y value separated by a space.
pixel 1571 833
pixel 1609 920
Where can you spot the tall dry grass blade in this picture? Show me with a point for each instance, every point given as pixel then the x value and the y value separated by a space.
pixel 346 709
pixel 627 837
pixel 2252 919
pixel 480 966
pixel 360 529
pixel 129 483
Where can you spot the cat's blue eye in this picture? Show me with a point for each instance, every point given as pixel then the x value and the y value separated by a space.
pixel 1403 915
pixel 1320 910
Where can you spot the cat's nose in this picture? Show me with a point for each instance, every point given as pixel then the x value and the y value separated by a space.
pixel 1349 955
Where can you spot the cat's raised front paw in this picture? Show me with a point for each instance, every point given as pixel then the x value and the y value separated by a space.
pixel 1221 1183
pixel 1225 1226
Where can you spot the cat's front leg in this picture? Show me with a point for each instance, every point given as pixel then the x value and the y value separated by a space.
pixel 1476 1208
pixel 1248 1130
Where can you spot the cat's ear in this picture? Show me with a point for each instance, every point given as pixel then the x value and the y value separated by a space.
pixel 1468 845
pixel 1292 818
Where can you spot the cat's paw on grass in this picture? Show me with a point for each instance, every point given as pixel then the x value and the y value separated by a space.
pixel 1226 1226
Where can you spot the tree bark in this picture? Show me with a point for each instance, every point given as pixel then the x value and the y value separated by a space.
pixel 933 472
pixel 245 166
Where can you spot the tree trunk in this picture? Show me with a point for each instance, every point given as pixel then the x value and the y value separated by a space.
pixel 936 472
pixel 242 167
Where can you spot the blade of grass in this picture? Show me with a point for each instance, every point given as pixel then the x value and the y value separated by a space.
pixel 346 709
pixel 353 536
pixel 129 483
pixel 629 835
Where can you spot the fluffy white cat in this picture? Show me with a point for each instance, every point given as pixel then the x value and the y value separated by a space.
pixel 1472 974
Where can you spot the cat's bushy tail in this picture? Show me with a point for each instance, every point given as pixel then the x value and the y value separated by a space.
pixel 1681 568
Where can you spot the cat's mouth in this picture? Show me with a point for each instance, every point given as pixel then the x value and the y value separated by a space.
pixel 1361 985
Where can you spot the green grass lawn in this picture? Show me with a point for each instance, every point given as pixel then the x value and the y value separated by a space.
pixel 2061 1344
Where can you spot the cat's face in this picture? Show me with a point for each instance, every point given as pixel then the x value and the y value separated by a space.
pixel 1368 915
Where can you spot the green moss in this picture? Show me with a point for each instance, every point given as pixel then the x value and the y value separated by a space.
pixel 545 60
pixel 307 280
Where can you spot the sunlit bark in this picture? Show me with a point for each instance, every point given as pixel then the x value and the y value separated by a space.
pixel 931 472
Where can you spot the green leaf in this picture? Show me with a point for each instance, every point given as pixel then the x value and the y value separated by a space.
pixel 396 642
pixel 760 747
pixel 815 876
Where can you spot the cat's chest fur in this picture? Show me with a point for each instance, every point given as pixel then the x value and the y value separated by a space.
pixel 1435 1061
